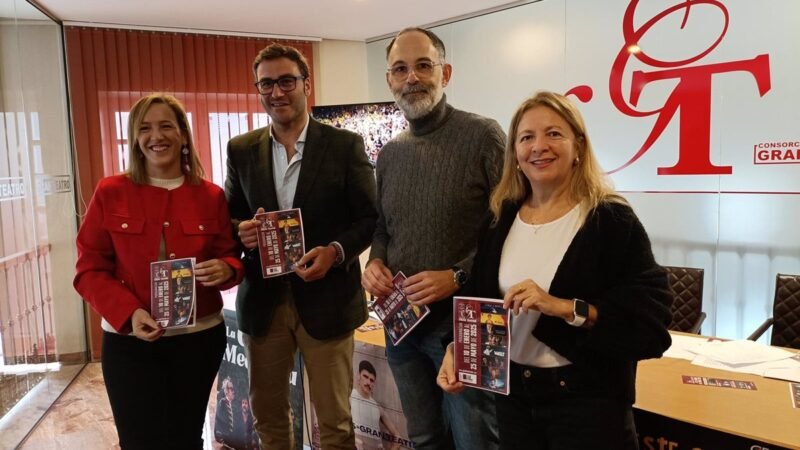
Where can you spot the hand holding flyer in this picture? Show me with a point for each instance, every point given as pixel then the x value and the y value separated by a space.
pixel 280 241
pixel 399 316
pixel 482 330
pixel 172 293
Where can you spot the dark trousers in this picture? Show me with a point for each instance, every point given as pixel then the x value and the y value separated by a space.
pixel 159 390
pixel 548 409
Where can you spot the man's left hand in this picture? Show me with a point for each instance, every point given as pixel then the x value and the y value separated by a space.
pixel 321 260
pixel 430 286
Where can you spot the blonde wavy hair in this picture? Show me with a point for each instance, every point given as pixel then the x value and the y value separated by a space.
pixel 588 185
pixel 136 164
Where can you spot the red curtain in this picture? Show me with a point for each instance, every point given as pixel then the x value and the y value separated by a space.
pixel 109 69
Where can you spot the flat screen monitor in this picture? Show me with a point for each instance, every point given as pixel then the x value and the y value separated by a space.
pixel 377 123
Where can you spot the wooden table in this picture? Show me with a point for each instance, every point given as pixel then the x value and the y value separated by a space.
pixel 766 414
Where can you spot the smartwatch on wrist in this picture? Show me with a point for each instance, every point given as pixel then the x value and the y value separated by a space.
pixel 580 309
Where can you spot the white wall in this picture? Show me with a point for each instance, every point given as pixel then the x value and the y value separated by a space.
pixel 341 72
pixel 740 227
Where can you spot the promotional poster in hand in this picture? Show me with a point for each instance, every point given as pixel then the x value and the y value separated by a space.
pixel 482 330
pixel 280 241
pixel 172 293
pixel 399 316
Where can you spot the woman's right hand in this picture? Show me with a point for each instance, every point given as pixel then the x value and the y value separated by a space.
pixel 144 327
pixel 447 379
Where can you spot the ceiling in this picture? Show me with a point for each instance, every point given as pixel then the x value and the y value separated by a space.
pixel 19 9
pixel 357 20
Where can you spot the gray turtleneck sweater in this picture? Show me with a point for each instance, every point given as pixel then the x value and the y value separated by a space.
pixel 434 182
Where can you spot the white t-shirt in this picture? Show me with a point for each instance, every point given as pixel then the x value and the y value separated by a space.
pixel 366 421
pixel 535 252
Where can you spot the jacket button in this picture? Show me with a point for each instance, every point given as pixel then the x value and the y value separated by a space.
pixel 124 226
pixel 172 256
pixel 202 227
pixel 562 383
pixel 526 373
pixel 166 224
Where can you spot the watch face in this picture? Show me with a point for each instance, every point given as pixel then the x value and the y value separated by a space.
pixel 461 277
pixel 581 308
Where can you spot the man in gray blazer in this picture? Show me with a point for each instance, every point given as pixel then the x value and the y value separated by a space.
pixel 298 162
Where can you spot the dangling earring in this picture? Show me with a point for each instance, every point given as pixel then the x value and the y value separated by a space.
pixel 185 158
pixel 577 161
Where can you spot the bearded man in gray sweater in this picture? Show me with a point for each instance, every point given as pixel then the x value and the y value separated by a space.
pixel 434 182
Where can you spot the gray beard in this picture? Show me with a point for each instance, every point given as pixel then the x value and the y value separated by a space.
pixel 420 107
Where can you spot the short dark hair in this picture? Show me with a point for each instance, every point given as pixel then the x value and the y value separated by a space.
pixel 366 365
pixel 275 51
pixel 437 43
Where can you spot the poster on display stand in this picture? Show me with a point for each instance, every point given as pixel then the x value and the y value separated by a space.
pixel 231 417
pixel 378 419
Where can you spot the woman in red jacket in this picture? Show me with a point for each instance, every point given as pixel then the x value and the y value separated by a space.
pixel 158 381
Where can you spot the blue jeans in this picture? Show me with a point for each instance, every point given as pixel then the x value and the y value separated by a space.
pixel 436 420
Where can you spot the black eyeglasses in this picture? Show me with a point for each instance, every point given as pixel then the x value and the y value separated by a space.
pixel 422 69
pixel 285 84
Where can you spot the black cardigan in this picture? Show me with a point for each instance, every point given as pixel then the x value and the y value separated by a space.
pixel 610 265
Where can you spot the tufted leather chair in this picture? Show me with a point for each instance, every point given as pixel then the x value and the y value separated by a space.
pixel 785 320
pixel 687 307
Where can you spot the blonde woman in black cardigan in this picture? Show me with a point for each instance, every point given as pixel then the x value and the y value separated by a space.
pixel 572 260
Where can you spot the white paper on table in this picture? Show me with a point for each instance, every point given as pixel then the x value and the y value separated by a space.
pixel 783 367
pixel 784 373
pixel 374 316
pixel 682 346
pixel 741 352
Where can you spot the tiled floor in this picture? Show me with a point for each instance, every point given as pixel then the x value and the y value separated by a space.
pixel 24 416
pixel 81 418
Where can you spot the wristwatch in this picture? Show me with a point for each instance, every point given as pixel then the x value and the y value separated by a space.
pixel 460 277
pixel 339 253
pixel 580 309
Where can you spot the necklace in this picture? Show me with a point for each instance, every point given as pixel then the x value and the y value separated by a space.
pixel 536 227
pixel 530 221
pixel 535 218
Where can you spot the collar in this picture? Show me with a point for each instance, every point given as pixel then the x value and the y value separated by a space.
pixel 433 120
pixel 300 139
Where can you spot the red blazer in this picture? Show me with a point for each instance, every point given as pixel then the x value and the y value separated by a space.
pixel 121 235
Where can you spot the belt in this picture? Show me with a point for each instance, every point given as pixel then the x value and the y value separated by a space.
pixel 553 376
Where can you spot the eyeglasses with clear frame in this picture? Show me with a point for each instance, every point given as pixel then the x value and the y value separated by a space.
pixel 285 84
pixel 422 69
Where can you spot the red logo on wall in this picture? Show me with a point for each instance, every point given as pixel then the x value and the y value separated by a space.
pixel 781 152
pixel 691 97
